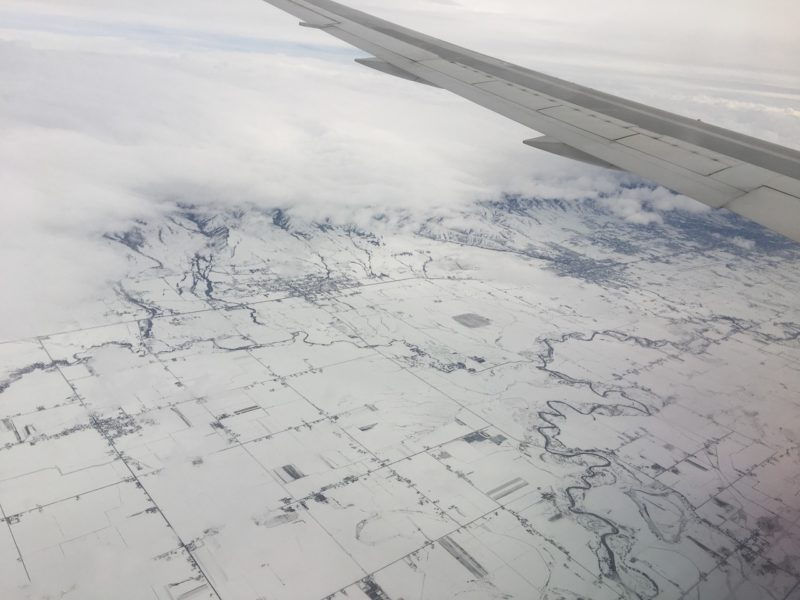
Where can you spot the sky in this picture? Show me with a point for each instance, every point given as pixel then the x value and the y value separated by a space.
pixel 113 110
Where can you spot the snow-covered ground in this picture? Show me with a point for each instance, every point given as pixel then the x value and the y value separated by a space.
pixel 532 399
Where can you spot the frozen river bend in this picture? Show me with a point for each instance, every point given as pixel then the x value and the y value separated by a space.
pixel 533 399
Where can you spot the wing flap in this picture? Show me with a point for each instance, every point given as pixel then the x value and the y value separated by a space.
pixel 389 69
pixel 558 147
pixel 787 184
pixel 519 95
pixel 591 122
pixel 458 71
pixel 745 177
pixel 773 209
pixel 677 155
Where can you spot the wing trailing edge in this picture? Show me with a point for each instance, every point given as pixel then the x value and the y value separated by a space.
pixel 390 69
pixel 554 146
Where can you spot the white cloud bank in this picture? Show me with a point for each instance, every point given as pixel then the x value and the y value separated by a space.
pixel 114 109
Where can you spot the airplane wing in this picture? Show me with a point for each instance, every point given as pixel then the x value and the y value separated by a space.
pixel 721 168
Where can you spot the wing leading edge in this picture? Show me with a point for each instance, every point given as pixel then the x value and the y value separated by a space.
pixel 723 169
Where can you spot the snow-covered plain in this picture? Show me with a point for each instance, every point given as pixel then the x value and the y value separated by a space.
pixel 533 399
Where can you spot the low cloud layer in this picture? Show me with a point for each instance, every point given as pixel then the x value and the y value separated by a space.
pixel 115 110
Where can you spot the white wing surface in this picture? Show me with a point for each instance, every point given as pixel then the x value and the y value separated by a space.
pixel 721 168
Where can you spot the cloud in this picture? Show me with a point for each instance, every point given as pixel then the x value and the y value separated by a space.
pixel 113 110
